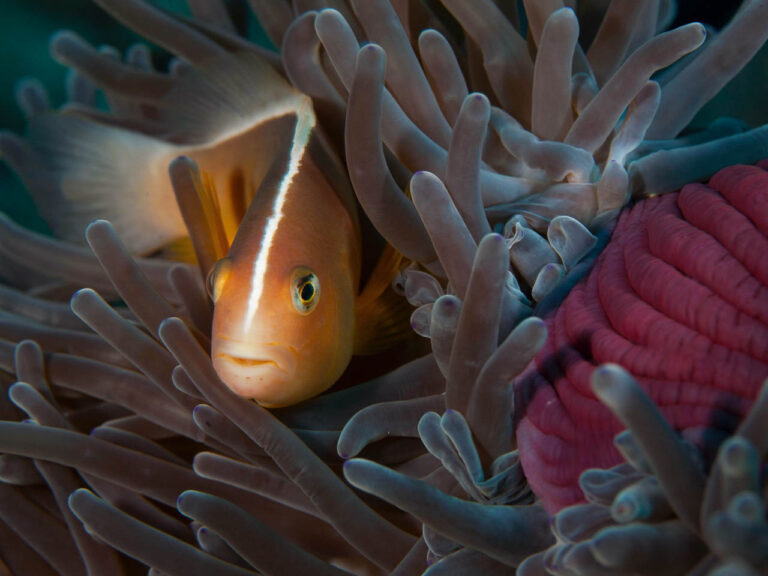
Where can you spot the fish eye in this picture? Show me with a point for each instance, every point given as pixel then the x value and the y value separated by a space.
pixel 305 290
pixel 215 280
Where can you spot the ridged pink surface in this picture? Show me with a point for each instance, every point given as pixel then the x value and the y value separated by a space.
pixel 680 299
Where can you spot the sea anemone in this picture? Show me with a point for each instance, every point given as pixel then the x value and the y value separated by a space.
pixel 702 360
pixel 122 449
pixel 658 513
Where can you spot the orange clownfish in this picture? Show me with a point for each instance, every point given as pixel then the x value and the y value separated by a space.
pixel 288 311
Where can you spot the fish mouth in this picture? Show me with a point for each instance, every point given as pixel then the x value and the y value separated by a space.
pixel 281 356
pixel 247 362
pixel 258 372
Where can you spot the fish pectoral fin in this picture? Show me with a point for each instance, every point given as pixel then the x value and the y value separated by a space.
pixel 199 204
pixel 382 317
pixel 179 250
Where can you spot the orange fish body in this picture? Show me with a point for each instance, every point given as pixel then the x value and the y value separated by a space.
pixel 288 311
pixel 284 298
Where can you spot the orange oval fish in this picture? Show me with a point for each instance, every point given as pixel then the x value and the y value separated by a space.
pixel 284 298
pixel 288 313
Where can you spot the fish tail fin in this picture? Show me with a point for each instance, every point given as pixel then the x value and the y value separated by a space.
pixel 78 170
pixel 382 317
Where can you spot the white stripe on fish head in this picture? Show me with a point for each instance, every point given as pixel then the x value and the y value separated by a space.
pixel 304 124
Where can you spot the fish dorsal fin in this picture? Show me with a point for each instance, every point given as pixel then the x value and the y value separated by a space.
pixel 81 169
pixel 381 315
pixel 226 96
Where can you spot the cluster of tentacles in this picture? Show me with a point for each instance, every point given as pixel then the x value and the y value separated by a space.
pixel 678 299
pixel 117 434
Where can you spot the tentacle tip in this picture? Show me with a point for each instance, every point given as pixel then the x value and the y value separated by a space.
pixel 182 161
pixel 535 321
pixel 186 499
pixel 60 38
pixel 480 105
pixel 28 343
pixel 372 55
pixel 137 48
pixel 329 13
pixel 169 323
pixel 624 511
pixel 447 302
pixel 371 47
pixel 26 82
pixel 77 498
pixel 565 12
pixel 14 388
pixel 429 34
pixel 98 225
pixel 423 179
pixel 352 470
pixel 737 454
pixel 605 375
pixel 110 51
pixel 80 294
pixel 495 238
pixel 700 29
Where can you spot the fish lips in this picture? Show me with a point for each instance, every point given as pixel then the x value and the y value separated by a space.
pixel 261 372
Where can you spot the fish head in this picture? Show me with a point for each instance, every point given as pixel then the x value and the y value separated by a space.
pixel 295 345
pixel 284 297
